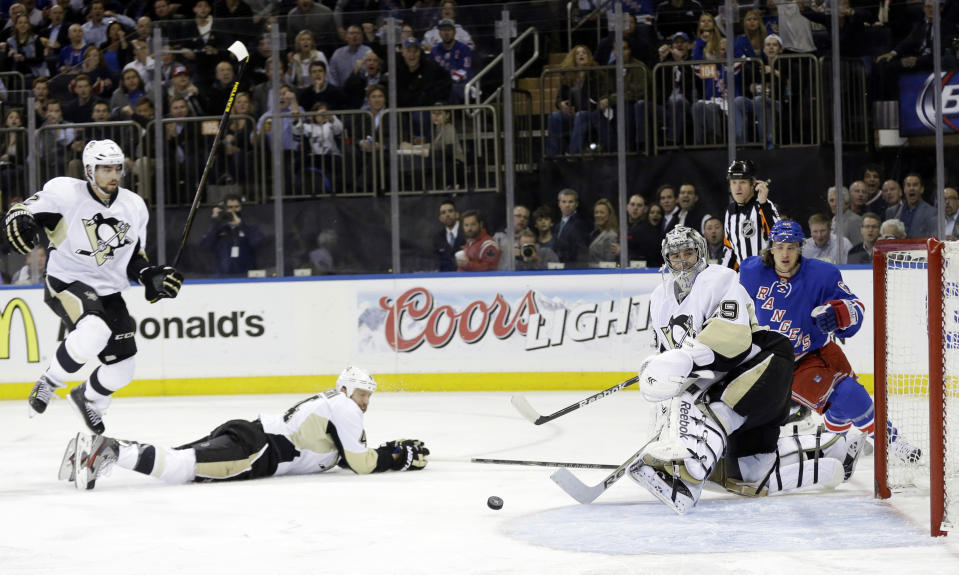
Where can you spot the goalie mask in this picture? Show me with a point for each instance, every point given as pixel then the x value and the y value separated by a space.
pixel 101 153
pixel 684 244
pixel 354 378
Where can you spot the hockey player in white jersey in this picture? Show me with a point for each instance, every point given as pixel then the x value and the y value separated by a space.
pixel 315 435
pixel 726 428
pixel 97 232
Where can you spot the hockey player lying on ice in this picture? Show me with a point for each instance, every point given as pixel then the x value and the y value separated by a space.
pixel 313 436
pixel 726 429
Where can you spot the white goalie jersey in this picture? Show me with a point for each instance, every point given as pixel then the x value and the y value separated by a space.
pixel 315 427
pixel 90 242
pixel 717 313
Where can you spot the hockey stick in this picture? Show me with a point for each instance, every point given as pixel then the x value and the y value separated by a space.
pixel 588 493
pixel 544 463
pixel 526 410
pixel 242 56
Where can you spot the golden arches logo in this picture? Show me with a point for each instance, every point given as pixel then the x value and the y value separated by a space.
pixel 29 329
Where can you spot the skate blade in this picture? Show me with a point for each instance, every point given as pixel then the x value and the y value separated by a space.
pixel 647 477
pixel 67 466
pixel 82 480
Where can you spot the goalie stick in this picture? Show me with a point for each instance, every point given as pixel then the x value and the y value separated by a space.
pixel 544 463
pixel 526 410
pixel 588 493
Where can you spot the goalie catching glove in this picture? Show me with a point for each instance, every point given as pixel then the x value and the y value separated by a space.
pixel 160 282
pixel 21 230
pixel 836 314
pixel 409 454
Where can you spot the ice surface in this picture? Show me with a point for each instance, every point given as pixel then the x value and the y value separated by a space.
pixel 434 521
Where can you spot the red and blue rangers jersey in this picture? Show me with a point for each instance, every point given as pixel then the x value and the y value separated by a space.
pixel 785 304
pixel 458 60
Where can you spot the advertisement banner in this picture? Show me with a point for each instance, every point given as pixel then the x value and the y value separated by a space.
pixel 917 105
pixel 508 323
pixel 259 336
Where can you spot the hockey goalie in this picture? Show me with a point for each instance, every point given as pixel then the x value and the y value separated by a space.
pixel 724 428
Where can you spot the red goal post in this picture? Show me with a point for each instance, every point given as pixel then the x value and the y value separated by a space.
pixel 916 314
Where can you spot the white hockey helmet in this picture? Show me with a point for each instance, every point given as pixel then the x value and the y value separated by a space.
pixel 682 238
pixel 101 153
pixel 353 378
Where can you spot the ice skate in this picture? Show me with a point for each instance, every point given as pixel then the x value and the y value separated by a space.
pixel 903 449
pixel 41 395
pixel 854 448
pixel 94 454
pixel 679 495
pixel 86 409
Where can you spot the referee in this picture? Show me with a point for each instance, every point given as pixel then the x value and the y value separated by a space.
pixel 750 214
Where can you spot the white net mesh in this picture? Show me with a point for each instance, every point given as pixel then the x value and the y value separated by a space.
pixel 907 365
pixel 950 288
pixel 907 380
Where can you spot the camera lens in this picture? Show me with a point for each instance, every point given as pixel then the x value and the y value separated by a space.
pixel 528 251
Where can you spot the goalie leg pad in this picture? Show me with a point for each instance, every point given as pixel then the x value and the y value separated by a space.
pixel 674 466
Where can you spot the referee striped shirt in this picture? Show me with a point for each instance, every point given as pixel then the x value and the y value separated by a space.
pixel 747 227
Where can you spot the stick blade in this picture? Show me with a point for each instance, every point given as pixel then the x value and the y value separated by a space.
pixel 576 488
pixel 526 410
pixel 239 51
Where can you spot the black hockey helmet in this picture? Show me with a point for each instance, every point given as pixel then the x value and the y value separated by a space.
pixel 741 170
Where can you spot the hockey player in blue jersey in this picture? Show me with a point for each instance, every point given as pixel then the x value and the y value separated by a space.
pixel 807 301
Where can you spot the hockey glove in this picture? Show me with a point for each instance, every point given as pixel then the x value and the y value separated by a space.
pixel 662 376
pixel 411 455
pixel 836 314
pixel 398 444
pixel 160 282
pixel 21 230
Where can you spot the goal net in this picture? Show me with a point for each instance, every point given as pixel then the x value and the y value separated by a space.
pixel 916 288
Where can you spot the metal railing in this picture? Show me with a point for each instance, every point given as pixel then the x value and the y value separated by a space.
pixel 576 21
pixel 855 117
pixel 779 106
pixel 443 149
pixel 586 127
pixel 797 120
pixel 692 104
pixel 13 164
pixel 187 144
pixel 324 153
pixel 59 146
pixel 472 91
pixel 14 86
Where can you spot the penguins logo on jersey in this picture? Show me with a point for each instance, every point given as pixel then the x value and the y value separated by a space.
pixel 680 327
pixel 106 235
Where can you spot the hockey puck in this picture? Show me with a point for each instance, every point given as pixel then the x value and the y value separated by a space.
pixel 494 502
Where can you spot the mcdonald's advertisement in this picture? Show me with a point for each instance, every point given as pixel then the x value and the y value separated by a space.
pixel 269 331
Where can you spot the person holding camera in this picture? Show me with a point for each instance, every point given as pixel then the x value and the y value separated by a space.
pixel 750 215
pixel 532 256
pixel 232 241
